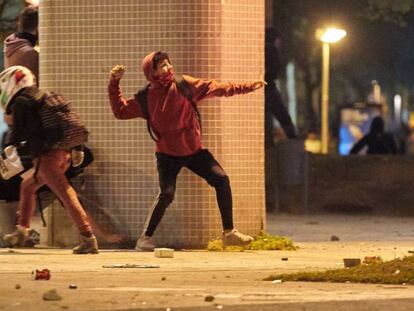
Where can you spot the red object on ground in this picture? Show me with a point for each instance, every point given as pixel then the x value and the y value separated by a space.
pixel 41 274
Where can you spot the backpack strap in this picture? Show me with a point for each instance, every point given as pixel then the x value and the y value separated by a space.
pixel 41 208
pixel 142 98
pixel 185 89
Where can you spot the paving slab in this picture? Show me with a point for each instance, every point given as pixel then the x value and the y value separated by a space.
pixel 234 280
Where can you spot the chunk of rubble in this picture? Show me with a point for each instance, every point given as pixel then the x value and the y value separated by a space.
pixel 334 238
pixel 52 295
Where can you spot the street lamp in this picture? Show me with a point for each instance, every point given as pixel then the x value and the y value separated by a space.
pixel 327 36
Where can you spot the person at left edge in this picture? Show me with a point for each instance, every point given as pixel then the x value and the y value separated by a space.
pixel 50 128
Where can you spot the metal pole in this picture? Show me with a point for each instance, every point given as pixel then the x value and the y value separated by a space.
pixel 325 98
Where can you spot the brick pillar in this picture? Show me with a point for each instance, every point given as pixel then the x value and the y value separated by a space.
pixel 81 40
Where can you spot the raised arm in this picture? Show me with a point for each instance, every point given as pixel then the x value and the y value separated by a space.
pixel 202 89
pixel 121 108
pixel 359 145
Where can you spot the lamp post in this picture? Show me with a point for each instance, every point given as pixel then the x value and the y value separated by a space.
pixel 327 36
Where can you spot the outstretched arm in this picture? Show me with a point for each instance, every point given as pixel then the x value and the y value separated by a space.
pixel 202 89
pixel 121 108
pixel 359 145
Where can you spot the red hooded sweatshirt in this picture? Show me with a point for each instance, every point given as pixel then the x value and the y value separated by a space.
pixel 172 116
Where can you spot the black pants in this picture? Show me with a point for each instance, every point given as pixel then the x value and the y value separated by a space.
pixel 205 166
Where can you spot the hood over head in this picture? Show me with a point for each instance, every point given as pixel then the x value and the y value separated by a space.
pixel 149 69
pixel 377 126
pixel 13 43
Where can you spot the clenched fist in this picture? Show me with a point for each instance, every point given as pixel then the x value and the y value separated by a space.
pixel 118 71
pixel 258 84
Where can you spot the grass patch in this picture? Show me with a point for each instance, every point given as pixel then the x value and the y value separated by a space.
pixel 397 271
pixel 263 241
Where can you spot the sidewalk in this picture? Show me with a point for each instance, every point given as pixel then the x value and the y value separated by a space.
pixel 235 280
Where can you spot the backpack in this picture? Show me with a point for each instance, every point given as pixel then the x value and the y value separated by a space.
pixel 58 116
pixel 183 87
pixel 46 122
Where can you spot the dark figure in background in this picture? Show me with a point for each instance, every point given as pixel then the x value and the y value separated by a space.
pixel 378 141
pixel 274 107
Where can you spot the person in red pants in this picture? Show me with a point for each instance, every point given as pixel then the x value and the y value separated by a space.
pixel 49 129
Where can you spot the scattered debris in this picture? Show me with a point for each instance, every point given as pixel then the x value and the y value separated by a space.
pixel 164 252
pixel 129 265
pixel 351 262
pixel 209 298
pixel 265 241
pixel 217 245
pixel 17 286
pixel 376 273
pixel 369 260
pixel 52 295
pixel 73 286
pixel 262 241
pixel 334 238
pixel 41 274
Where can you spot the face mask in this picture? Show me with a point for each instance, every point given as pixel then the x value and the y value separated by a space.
pixel 166 77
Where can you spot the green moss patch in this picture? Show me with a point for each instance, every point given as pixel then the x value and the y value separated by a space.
pixel 397 271
pixel 263 241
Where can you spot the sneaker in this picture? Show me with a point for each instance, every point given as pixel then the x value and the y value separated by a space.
pixel 234 237
pixel 145 244
pixel 87 246
pixel 33 238
pixel 17 238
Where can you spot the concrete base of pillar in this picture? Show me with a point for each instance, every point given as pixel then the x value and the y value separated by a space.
pixel 7 219
pixel 61 232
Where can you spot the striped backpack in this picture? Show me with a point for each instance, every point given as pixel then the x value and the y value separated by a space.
pixel 57 115
pixel 46 121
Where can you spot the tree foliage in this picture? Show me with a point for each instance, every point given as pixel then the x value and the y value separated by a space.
pixel 395 11
pixel 9 12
